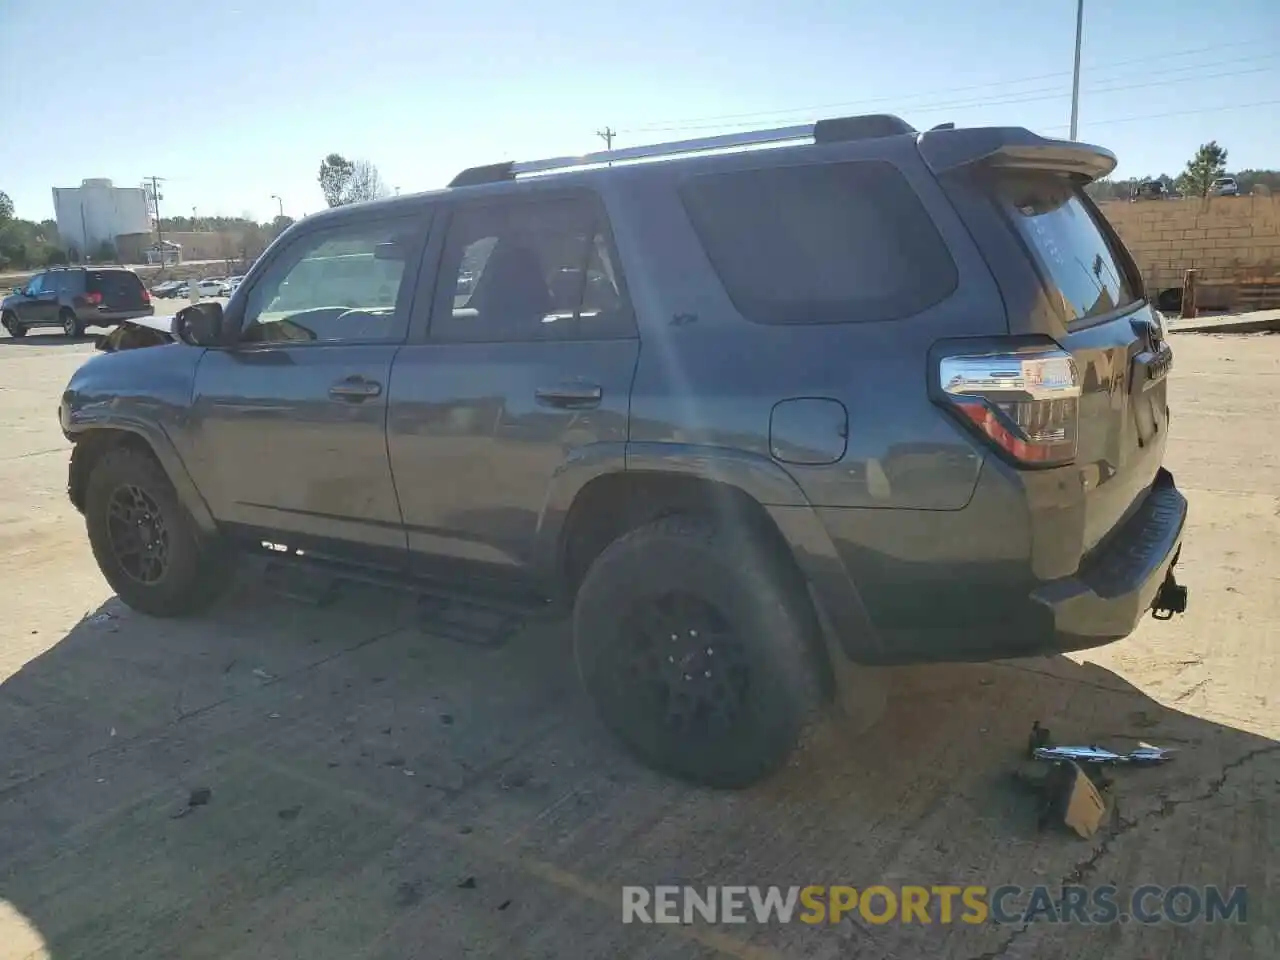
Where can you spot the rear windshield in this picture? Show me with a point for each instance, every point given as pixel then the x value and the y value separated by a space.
pixel 1083 270
pixel 114 283
pixel 821 243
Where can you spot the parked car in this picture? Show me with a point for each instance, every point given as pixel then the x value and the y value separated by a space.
pixel 74 298
pixel 1225 187
pixel 168 288
pixel 756 416
pixel 1150 190
pixel 233 283
pixel 212 287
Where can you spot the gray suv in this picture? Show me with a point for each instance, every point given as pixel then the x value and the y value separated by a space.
pixel 74 298
pixel 867 396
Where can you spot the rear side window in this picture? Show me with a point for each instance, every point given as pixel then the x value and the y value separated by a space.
pixel 1085 273
pixel 822 243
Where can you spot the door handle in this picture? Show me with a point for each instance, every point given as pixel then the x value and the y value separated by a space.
pixel 570 396
pixel 355 389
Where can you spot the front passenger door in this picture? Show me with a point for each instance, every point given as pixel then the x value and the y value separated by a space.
pixel 290 421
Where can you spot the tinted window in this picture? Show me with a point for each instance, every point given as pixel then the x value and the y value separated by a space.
pixel 116 286
pixel 821 243
pixel 529 270
pixel 1084 272
pixel 36 284
pixel 339 285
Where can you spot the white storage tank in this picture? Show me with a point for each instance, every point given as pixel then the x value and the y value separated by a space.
pixel 98 211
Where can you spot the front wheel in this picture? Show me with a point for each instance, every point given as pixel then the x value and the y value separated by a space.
pixel 146 544
pixel 697 649
pixel 71 325
pixel 10 323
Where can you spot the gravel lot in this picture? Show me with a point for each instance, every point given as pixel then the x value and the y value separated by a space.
pixel 377 792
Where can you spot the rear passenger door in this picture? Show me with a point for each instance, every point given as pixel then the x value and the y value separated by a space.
pixel 526 365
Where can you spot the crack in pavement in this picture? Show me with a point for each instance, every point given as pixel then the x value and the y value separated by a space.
pixel 1089 865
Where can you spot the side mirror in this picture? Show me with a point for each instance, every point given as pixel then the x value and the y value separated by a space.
pixel 200 325
pixel 19 290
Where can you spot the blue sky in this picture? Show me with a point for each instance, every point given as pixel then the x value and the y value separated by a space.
pixel 233 103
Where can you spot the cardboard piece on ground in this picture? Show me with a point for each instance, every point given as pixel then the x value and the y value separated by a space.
pixel 1085 807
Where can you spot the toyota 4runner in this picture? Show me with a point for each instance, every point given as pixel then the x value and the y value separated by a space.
pixel 867 396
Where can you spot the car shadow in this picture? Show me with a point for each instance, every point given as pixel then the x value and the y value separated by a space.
pixel 44 340
pixel 333 780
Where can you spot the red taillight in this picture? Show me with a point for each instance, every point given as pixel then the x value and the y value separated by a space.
pixel 146 297
pixel 93 299
pixel 1025 401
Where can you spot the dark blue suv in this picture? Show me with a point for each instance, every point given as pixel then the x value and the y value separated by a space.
pixel 756 408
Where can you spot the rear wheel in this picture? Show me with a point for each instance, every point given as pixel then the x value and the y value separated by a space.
pixel 10 322
pixel 71 324
pixel 697 650
pixel 145 542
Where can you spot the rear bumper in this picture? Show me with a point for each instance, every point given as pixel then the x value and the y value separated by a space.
pixel 101 316
pixel 967 611
pixel 1116 588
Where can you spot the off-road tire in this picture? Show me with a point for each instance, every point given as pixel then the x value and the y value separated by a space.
pixel 767 614
pixel 71 325
pixel 197 571
pixel 10 323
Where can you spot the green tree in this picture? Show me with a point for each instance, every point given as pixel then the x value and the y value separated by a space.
pixel 1209 163
pixel 280 224
pixel 6 207
pixel 345 181
pixel 336 172
pixel 105 253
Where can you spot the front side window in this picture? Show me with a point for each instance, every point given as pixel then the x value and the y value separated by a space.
pixel 529 270
pixel 338 285
pixel 35 286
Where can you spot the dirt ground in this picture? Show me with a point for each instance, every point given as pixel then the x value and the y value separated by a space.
pixel 377 792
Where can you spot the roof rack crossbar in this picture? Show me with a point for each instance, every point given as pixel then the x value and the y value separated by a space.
pixel 843 128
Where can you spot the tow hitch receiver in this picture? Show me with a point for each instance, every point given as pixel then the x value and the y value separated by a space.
pixel 1170 599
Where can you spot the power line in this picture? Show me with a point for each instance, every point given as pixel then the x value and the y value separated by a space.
pixel 703 123
pixel 1174 113
pixel 1026 96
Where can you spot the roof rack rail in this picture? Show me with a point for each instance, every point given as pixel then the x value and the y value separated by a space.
pixel 823 131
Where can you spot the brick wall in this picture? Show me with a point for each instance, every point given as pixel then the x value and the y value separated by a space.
pixel 1229 240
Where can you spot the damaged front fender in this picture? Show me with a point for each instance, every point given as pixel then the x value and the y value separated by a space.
pixel 143 332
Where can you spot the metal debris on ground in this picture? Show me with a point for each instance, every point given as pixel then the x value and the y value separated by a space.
pixel 1071 789
pixel 1144 754
pixel 1039 748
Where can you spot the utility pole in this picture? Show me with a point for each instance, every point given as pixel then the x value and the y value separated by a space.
pixel 1075 75
pixel 607 135
pixel 156 198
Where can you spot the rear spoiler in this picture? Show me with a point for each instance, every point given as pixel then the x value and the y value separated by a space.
pixel 1012 148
